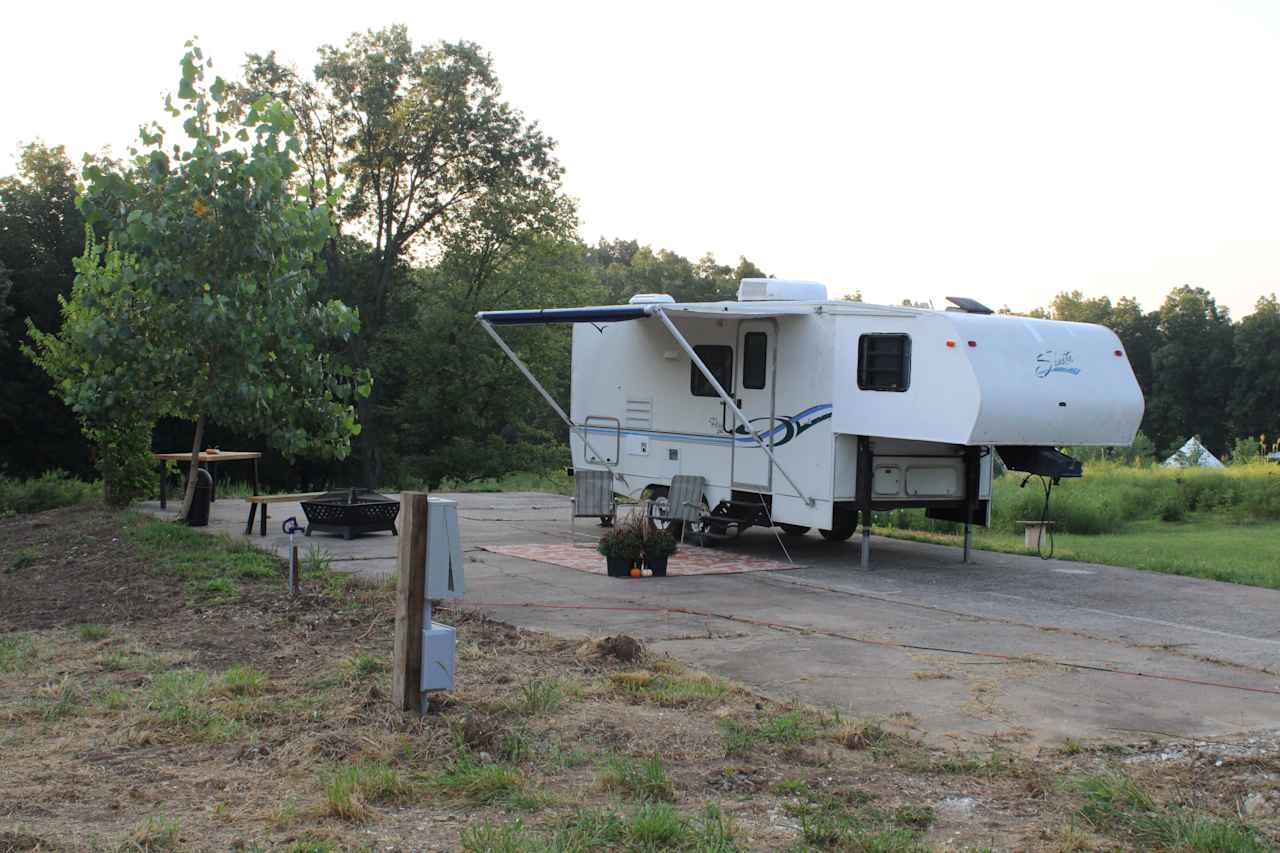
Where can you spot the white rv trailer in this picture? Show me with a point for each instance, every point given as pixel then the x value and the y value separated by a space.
pixel 800 412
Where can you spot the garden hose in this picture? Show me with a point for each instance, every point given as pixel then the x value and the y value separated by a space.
pixel 1044 515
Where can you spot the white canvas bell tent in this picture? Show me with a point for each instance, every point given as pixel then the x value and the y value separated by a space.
pixel 1193 454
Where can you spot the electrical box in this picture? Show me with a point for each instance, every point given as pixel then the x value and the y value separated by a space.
pixel 445 579
pixel 439 645
pixel 444 550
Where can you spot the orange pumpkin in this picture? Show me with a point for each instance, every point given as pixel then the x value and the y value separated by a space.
pixel 635 573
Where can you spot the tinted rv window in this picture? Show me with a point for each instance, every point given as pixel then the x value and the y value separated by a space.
pixel 755 349
pixel 884 362
pixel 719 360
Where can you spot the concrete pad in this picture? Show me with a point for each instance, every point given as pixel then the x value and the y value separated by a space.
pixel 1180 645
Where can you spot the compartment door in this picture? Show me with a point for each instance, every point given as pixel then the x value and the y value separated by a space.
pixel 757 340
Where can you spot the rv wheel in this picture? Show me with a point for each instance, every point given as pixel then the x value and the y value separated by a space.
pixel 794 529
pixel 842 527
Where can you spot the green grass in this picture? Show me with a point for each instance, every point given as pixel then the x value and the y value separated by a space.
pixel 350 789
pixel 362 667
pixel 153 834
pixel 23 558
pixel 90 632
pixel 540 696
pixel 48 491
pixel 211 565
pixel 846 819
pixel 241 680
pixel 994 764
pixel 643 779
pixel 17 652
pixel 178 699
pixel 61 701
pixel 1115 804
pixel 556 482
pixel 1218 524
pixel 653 826
pixel 1204 546
pixel 483 782
pixel 790 728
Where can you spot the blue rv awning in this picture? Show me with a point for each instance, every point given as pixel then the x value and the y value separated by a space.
pixel 547 316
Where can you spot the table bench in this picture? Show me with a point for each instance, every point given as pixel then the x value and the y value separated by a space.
pixel 255 500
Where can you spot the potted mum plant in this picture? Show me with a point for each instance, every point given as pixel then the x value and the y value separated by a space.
pixel 658 546
pixel 622 548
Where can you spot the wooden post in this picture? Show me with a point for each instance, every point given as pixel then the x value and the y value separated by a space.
pixel 406 667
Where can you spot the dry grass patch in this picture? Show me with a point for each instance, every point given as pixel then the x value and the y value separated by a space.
pixel 671 686
pixel 268 725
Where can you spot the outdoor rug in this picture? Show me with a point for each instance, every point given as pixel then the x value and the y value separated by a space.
pixel 689 560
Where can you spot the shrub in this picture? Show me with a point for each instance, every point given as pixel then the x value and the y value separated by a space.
pixel 48 491
pixel 122 455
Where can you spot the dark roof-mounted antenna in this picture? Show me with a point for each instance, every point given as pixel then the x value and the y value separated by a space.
pixel 968 306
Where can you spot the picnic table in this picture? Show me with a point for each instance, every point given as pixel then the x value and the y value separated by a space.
pixel 208 458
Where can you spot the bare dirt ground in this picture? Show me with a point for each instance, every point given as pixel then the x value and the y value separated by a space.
pixel 160 690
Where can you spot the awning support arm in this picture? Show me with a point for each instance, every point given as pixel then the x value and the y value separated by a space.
pixel 546 395
pixel 728 401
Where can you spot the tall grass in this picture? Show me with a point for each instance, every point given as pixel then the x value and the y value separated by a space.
pixel 1111 495
pixel 48 491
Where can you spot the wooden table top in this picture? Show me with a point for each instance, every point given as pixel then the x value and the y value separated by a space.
pixel 220 456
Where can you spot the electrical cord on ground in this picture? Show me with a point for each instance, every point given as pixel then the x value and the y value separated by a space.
pixel 774 528
pixel 1045 526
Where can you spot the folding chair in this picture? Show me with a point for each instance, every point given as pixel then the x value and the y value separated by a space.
pixel 685 498
pixel 592 498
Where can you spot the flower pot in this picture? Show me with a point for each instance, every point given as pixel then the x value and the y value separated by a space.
pixel 657 565
pixel 619 567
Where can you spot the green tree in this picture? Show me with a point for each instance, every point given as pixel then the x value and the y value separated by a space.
pixel 195 295
pixel 1192 367
pixel 625 268
pixel 1140 334
pixel 1255 398
pixel 412 139
pixel 1074 307
pixel 41 233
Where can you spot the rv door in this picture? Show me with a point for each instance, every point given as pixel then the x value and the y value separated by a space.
pixel 757 341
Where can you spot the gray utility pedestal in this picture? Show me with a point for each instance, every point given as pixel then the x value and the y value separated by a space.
pixel 444 580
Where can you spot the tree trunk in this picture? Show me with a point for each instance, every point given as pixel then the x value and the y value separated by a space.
pixel 195 466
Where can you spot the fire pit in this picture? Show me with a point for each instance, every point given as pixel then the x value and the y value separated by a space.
pixel 350 512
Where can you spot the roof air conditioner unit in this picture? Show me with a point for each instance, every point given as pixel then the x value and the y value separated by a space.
pixel 775 289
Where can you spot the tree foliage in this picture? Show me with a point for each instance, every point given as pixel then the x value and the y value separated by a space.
pixel 1192 364
pixel 41 233
pixel 195 295
pixel 1255 394
pixel 418 144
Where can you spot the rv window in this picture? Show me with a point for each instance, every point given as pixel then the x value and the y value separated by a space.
pixel 884 362
pixel 719 360
pixel 755 348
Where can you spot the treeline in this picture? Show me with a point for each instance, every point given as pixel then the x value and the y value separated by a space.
pixel 446 200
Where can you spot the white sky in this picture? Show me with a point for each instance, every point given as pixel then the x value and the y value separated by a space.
pixel 1000 150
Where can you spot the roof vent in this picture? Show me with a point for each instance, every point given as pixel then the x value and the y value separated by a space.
pixel 967 305
pixel 781 290
pixel 650 298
